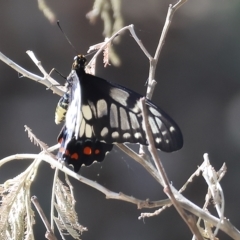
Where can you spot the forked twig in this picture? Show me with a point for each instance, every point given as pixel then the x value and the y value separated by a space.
pixel 45 80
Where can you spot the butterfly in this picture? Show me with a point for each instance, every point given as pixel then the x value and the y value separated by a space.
pixel 99 113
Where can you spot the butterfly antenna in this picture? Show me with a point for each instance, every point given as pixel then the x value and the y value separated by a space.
pixel 58 23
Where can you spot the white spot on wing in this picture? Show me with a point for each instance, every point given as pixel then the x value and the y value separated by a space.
pixel 126 135
pixel 119 96
pixel 113 116
pixel 159 122
pixel 92 106
pixel 137 135
pixel 154 112
pixel 115 135
pixel 164 132
pixel 82 128
pixel 104 132
pixel 153 125
pixel 101 108
pixel 172 129
pixel 134 121
pixel 124 119
pixel 158 140
pixel 87 113
pixel 88 131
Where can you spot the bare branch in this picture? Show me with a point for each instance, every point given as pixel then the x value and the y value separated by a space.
pixel 215 189
pixel 47 80
pixel 49 235
pixel 52 84
pixel 131 29
pixel 167 187
pixel 153 61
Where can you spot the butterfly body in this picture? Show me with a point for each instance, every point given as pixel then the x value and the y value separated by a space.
pixel 61 109
pixel 103 112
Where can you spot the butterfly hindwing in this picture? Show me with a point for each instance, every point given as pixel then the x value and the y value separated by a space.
pixel 86 152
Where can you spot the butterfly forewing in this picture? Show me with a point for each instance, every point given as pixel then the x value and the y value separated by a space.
pixel 113 114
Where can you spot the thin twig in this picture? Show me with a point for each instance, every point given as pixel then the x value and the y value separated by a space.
pixel 167 188
pixel 46 80
pixel 50 235
pixel 153 61
pixel 171 10
pixel 131 29
pixel 215 189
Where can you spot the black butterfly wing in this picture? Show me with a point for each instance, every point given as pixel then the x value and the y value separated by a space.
pixel 74 150
pixel 83 151
pixel 112 114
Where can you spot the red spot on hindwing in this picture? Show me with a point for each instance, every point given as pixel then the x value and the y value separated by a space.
pixel 87 151
pixel 97 151
pixel 74 156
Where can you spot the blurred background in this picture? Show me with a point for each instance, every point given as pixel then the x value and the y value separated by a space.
pixel 198 77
